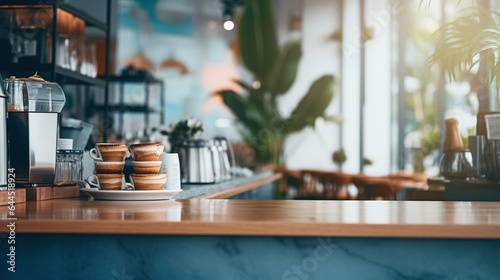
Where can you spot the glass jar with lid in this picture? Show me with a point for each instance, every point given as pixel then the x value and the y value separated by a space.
pixel 69 166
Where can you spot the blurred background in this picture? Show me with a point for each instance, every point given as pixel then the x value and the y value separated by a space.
pixel 168 58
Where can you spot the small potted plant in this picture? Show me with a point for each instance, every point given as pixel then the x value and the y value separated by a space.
pixel 183 130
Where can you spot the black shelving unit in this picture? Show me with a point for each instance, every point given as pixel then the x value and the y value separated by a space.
pixel 55 72
pixel 121 107
pixel 131 108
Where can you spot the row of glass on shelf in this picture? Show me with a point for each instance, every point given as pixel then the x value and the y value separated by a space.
pixel 29 39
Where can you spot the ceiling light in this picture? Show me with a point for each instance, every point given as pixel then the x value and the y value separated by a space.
pixel 228 15
pixel 228 25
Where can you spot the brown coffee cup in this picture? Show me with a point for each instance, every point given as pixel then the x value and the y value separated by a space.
pixel 109 152
pixel 147 167
pixel 107 182
pixel 146 151
pixel 109 167
pixel 148 182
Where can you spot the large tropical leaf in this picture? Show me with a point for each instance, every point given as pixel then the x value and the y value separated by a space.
pixel 312 105
pixel 471 38
pixel 285 68
pixel 236 103
pixel 262 130
pixel 245 110
pixel 244 85
pixel 258 105
pixel 257 34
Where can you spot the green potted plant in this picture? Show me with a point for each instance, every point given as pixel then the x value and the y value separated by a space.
pixel 468 40
pixel 183 130
pixel 259 121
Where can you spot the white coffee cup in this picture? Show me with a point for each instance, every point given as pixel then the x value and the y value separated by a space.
pixel 170 166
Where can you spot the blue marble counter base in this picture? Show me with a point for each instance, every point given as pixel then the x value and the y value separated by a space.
pixel 127 257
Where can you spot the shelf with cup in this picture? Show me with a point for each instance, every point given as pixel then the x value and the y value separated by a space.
pixel 45 58
pixel 67 76
pixel 131 108
pixel 135 79
pixel 65 22
pixel 63 76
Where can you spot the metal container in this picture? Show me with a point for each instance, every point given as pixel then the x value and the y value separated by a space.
pixel 33 144
pixel 476 145
pixel 196 161
pixel 216 162
pixel 492 160
pixel 223 157
pixel 3 136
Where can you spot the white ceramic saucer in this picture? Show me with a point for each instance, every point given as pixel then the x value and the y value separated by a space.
pixel 131 194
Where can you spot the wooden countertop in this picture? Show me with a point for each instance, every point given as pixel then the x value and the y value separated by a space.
pixel 418 219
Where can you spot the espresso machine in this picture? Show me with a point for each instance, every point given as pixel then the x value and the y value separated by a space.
pixel 33 129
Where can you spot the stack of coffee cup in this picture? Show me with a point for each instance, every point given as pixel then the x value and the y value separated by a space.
pixel 147 165
pixel 109 162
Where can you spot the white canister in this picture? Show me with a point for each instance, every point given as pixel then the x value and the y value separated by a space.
pixel 170 166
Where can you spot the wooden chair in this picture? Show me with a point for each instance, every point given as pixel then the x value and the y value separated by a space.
pixel 321 184
pixel 380 190
pixel 416 176
pixel 386 187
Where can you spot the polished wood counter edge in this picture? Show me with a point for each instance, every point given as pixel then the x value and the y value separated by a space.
pixel 263 229
pixel 243 188
pixel 406 219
